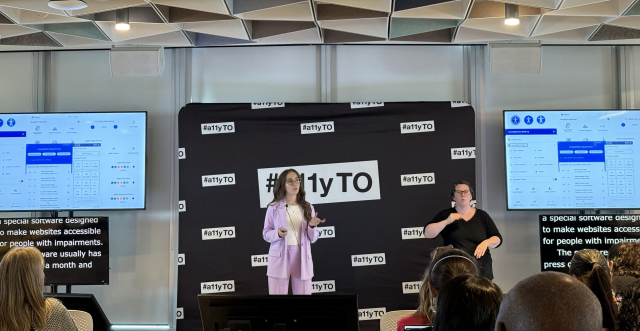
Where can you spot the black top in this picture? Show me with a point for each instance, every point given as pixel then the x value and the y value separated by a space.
pixel 620 282
pixel 467 235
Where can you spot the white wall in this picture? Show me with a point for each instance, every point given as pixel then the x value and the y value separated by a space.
pixel 398 73
pixel 255 74
pixel 571 78
pixel 140 291
pixel 16 79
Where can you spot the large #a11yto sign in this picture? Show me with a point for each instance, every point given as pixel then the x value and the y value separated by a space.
pixel 327 183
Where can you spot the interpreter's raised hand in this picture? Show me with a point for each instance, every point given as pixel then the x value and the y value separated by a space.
pixel 282 232
pixel 315 221
pixel 453 217
pixel 481 249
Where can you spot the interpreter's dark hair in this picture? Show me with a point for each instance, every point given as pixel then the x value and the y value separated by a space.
pixel 468 302
pixel 462 182
pixel 279 192
pixel 592 266
pixel 445 265
pixel 629 314
pixel 625 258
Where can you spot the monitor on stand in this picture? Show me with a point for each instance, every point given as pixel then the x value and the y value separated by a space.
pixel 278 312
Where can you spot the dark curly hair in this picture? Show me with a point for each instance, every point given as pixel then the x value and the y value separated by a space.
pixel 625 258
pixel 629 313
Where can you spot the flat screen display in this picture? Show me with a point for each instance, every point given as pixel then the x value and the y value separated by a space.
pixel 572 159
pixel 72 161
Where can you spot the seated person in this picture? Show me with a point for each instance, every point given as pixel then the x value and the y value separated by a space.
pixel 629 313
pixel 590 267
pixel 23 306
pixel 446 263
pixel 467 302
pixel 549 301
pixel 624 262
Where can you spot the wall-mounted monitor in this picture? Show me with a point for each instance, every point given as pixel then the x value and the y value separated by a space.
pixel 572 159
pixel 72 161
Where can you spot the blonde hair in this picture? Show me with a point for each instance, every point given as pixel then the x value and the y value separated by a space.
pixel 22 303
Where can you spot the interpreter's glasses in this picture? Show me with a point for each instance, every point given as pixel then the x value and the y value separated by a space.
pixel 294 181
pixel 463 193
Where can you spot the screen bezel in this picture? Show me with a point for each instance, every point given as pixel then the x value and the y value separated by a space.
pixel 504 154
pixel 146 150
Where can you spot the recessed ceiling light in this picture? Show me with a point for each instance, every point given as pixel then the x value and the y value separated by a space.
pixel 122 19
pixel 67 4
pixel 511 14
pixel 511 21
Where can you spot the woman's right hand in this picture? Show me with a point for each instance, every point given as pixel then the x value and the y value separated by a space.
pixel 453 217
pixel 282 232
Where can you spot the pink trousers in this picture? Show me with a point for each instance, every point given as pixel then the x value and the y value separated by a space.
pixel 298 286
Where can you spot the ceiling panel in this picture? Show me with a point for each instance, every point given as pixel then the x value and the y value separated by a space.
pixel 203 23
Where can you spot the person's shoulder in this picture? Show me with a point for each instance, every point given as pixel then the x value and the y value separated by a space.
pixel 54 307
pixel 273 205
pixel 413 320
pixel 53 304
pixel 406 319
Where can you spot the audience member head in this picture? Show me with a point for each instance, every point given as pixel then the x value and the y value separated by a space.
pixel 467 302
pixel 22 304
pixel 446 263
pixel 590 267
pixel 549 301
pixel 624 259
pixel 629 313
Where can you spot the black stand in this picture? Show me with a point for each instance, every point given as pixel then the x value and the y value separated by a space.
pixel 54 288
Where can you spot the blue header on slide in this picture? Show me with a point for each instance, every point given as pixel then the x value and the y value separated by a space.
pixel 581 151
pixel 49 153
pixel 13 134
pixel 530 131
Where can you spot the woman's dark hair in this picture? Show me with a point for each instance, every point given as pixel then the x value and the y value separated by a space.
pixel 279 192
pixel 625 258
pixel 629 314
pixel 468 302
pixel 462 182
pixel 592 266
pixel 446 264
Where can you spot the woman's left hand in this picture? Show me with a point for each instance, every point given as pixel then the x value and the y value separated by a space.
pixel 481 249
pixel 315 221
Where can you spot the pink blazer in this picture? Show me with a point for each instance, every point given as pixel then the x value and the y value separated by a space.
pixel 277 264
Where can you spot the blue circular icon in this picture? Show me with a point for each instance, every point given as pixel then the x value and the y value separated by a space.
pixel 1 122
pixel 93 126
pixel 540 119
pixel 528 119
pixel 515 119
pixel 11 122
pixel 115 126
pixel 623 124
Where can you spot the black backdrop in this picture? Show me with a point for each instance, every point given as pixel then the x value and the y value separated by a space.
pixel 271 137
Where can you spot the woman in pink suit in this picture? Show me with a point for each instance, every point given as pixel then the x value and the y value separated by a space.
pixel 291 229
